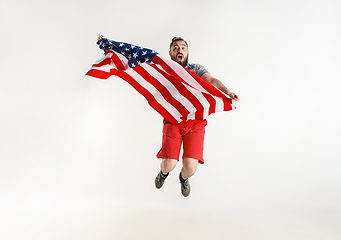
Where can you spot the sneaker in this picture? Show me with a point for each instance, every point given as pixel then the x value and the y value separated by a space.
pixel 160 180
pixel 185 187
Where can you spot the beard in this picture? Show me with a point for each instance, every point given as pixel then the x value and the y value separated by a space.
pixel 183 62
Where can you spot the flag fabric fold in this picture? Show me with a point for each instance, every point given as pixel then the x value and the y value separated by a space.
pixel 172 90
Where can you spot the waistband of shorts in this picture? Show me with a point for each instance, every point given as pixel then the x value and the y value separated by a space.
pixel 188 122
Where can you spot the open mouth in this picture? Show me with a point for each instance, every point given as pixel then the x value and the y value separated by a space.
pixel 179 57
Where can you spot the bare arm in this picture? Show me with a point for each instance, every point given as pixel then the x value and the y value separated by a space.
pixel 217 83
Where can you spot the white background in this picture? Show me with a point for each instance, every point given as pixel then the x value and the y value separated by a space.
pixel 78 155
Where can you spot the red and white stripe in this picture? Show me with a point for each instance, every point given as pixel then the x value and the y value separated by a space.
pixel 172 90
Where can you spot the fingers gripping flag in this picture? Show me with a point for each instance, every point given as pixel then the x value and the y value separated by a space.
pixel 172 90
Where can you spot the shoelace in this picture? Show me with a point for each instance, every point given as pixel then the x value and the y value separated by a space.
pixel 161 178
pixel 185 184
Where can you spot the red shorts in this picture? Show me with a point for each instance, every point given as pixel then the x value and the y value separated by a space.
pixel 191 133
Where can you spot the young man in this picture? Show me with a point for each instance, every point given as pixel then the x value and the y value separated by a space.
pixel 190 133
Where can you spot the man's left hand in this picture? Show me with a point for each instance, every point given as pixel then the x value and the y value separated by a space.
pixel 234 96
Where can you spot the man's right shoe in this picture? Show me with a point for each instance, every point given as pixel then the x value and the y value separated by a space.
pixel 160 180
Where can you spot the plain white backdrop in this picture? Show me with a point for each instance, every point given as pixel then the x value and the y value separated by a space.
pixel 78 155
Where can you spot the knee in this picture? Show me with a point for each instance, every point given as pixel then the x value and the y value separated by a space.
pixel 168 165
pixel 190 170
pixel 189 166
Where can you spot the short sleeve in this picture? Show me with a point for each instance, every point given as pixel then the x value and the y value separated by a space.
pixel 197 69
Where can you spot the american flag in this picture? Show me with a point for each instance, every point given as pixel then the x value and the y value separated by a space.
pixel 172 90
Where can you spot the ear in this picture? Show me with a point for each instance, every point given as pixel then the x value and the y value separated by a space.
pixel 169 53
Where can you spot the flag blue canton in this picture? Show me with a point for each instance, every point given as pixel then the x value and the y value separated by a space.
pixel 136 55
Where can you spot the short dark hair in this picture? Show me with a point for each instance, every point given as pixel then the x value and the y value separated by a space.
pixel 174 39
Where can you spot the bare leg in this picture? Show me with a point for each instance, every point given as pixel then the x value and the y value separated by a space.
pixel 189 167
pixel 167 165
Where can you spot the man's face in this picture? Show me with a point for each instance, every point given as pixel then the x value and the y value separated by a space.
pixel 179 52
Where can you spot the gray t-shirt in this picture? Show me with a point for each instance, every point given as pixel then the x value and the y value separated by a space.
pixel 197 69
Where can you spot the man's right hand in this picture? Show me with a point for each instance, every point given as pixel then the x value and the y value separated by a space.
pixel 99 37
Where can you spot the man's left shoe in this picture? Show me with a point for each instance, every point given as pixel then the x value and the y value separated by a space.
pixel 185 187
